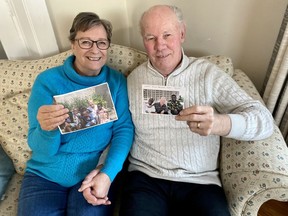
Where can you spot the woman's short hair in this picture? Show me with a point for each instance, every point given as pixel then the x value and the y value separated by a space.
pixel 85 21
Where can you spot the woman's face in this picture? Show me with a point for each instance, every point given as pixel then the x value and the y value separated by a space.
pixel 88 62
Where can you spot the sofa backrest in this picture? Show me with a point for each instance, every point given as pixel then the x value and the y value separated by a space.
pixel 16 80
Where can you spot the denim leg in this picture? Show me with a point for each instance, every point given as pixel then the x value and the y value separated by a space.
pixel 39 197
pixel 6 171
pixel 78 206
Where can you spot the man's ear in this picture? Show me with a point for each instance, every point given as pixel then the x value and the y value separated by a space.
pixel 183 31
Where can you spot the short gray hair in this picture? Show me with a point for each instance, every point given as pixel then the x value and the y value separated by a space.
pixel 175 9
pixel 178 13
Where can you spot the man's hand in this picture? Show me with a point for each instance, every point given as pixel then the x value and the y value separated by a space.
pixel 95 187
pixel 203 120
pixel 51 116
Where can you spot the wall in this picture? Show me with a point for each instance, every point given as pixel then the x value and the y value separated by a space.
pixel 63 12
pixel 245 30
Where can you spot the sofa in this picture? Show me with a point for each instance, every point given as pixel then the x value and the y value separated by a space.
pixel 252 172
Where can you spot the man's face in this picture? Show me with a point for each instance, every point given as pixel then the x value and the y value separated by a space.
pixel 173 97
pixel 91 104
pixel 163 36
pixel 162 100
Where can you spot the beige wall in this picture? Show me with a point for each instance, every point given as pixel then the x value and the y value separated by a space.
pixel 62 14
pixel 245 30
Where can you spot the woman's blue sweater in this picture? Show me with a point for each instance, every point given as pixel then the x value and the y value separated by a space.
pixel 67 158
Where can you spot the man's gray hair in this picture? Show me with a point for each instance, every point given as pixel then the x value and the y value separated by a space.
pixel 175 9
pixel 177 12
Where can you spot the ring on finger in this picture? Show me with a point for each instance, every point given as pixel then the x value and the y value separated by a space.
pixel 198 125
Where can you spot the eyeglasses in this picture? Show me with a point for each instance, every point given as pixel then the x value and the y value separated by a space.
pixel 88 44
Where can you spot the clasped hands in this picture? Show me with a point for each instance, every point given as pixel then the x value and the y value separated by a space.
pixel 95 187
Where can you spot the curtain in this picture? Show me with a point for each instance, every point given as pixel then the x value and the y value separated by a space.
pixel 275 86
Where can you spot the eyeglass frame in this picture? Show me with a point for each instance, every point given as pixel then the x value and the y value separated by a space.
pixel 92 41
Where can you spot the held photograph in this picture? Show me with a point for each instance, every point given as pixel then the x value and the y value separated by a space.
pixel 88 107
pixel 162 99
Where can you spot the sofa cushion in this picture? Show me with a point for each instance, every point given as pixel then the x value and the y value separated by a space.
pixel 223 62
pixel 17 78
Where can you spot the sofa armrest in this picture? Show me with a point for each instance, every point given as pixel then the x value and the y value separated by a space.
pixel 253 172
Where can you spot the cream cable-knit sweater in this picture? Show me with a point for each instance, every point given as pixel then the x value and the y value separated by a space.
pixel 167 149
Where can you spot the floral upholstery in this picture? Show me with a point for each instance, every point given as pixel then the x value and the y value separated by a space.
pixel 251 172
pixel 256 171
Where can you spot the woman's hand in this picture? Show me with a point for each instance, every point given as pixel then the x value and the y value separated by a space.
pixel 51 116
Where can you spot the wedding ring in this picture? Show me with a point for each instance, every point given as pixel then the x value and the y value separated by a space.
pixel 198 125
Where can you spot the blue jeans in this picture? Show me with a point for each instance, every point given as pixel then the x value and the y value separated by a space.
pixel 147 196
pixel 39 197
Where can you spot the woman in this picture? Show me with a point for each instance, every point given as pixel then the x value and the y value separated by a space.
pixel 60 163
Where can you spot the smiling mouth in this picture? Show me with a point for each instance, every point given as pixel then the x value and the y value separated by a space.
pixel 94 58
pixel 162 56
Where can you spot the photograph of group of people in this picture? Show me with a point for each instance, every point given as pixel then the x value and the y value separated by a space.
pixel 88 107
pixel 162 100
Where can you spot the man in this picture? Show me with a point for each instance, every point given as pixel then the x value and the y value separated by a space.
pixel 148 107
pixel 173 163
pixel 174 105
pixel 93 117
pixel 161 107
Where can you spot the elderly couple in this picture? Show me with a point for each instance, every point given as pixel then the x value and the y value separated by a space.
pixel 172 160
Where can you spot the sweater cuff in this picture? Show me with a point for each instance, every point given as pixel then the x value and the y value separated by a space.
pixel 238 126
pixel 49 134
pixel 110 172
